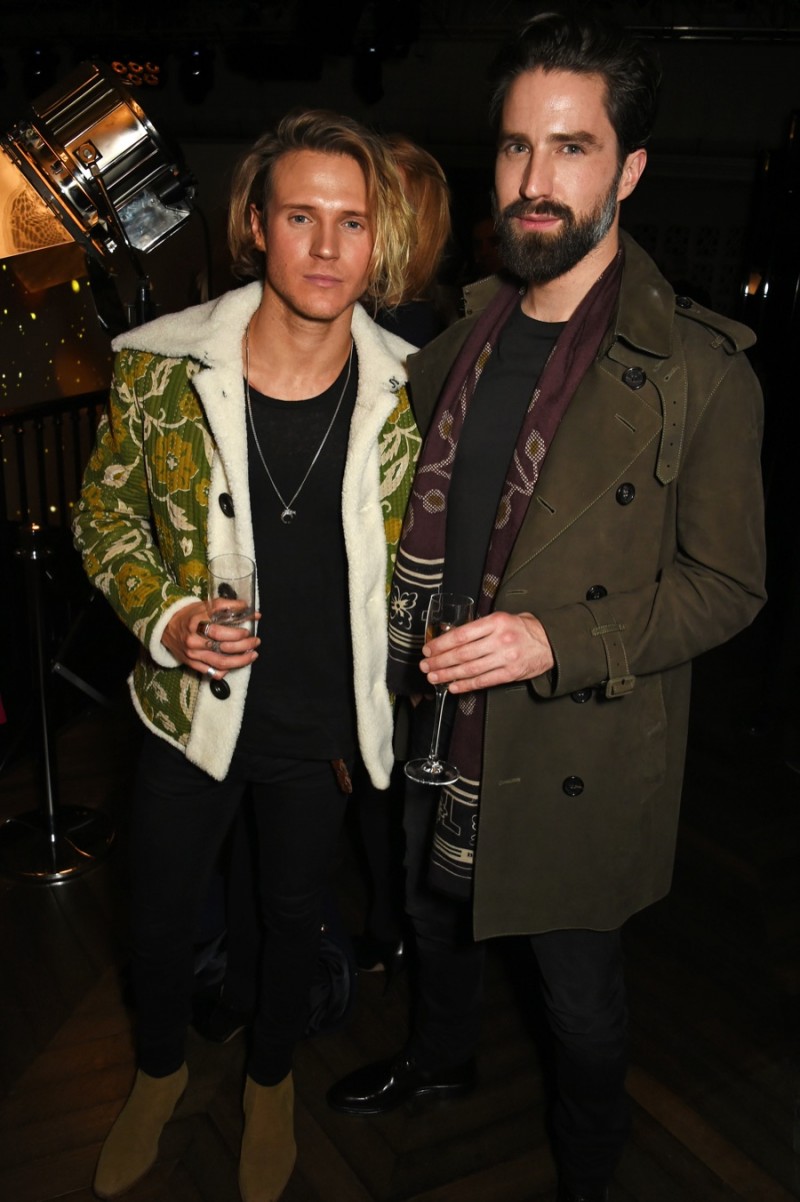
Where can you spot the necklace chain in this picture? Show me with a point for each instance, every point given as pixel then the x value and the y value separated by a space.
pixel 287 513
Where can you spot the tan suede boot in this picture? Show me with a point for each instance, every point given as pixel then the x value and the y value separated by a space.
pixel 131 1145
pixel 268 1147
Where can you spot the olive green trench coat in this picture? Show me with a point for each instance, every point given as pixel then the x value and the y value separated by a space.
pixel 643 546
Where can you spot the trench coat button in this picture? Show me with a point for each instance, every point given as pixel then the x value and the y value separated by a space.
pixel 635 377
pixel 596 592
pixel 220 688
pixel 684 302
pixel 625 494
pixel 573 786
pixel 581 696
pixel 226 504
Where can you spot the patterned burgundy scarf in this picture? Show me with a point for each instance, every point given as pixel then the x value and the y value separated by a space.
pixel 420 558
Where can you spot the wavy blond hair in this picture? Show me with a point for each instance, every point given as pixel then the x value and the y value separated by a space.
pixel 426 190
pixel 328 133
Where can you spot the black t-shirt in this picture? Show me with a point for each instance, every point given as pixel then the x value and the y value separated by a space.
pixel 300 701
pixel 487 443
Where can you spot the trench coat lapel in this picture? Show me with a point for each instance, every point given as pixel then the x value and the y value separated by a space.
pixel 607 424
pixel 604 430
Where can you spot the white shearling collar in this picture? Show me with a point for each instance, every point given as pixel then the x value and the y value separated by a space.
pixel 211 334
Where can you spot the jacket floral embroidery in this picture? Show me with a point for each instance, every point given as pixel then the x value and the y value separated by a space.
pixel 166 488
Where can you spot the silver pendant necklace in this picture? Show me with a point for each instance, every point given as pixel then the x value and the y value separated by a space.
pixel 287 513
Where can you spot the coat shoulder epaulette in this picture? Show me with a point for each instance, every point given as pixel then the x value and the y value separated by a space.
pixel 476 295
pixel 737 336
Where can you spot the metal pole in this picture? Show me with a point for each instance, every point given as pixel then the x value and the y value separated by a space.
pixel 33 553
pixel 53 843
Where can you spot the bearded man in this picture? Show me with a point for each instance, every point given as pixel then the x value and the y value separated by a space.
pixel 590 475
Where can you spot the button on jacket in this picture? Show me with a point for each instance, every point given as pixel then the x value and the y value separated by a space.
pixel 166 488
pixel 652 486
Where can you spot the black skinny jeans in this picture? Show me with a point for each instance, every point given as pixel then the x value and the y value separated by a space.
pixel 583 990
pixel 179 821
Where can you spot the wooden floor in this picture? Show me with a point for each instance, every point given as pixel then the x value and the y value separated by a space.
pixel 714 982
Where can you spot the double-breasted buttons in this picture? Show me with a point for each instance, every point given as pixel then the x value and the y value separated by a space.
pixel 573 786
pixel 635 377
pixel 684 302
pixel 220 688
pixel 625 494
pixel 581 696
pixel 596 592
pixel 226 504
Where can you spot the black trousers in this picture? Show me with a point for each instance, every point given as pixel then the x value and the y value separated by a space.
pixel 179 821
pixel 583 991
pixel 379 814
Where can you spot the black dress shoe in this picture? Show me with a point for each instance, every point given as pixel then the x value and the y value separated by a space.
pixel 379 1088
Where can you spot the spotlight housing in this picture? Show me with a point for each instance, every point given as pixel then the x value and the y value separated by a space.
pixel 97 162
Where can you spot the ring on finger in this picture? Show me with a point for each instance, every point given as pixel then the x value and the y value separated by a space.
pixel 214 646
pixel 211 672
pixel 202 629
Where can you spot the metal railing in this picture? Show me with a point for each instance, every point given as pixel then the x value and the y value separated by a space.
pixel 43 452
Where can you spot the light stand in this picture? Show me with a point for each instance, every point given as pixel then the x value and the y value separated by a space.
pixel 53 843
pixel 88 151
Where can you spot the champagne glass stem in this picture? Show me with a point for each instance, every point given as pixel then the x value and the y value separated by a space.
pixel 441 693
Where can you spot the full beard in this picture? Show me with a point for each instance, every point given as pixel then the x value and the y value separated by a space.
pixel 539 258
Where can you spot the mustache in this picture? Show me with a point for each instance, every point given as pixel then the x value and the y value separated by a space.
pixel 542 208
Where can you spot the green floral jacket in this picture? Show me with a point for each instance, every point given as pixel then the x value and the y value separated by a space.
pixel 166 488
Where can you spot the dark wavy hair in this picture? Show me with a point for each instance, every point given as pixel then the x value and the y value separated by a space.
pixel 556 42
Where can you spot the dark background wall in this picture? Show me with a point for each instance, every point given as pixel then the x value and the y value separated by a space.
pixel 732 81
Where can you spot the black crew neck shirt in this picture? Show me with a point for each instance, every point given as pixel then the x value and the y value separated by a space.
pixel 486 445
pixel 300 701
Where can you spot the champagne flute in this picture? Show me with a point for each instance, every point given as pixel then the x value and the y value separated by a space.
pixel 445 611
